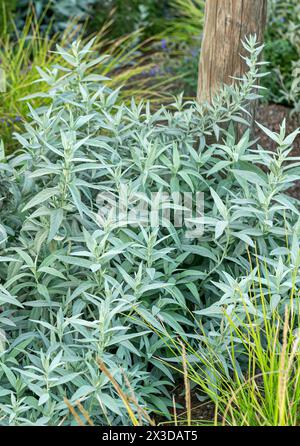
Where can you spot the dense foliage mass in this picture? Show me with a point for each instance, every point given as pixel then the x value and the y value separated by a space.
pixel 129 14
pixel 77 285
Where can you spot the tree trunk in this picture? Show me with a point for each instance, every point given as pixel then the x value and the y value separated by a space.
pixel 227 22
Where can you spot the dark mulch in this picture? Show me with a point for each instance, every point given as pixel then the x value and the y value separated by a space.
pixel 271 116
pixel 202 413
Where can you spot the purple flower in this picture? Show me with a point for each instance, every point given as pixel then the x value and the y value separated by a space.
pixel 164 44
pixel 154 71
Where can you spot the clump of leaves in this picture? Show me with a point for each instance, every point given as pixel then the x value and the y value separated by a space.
pixel 59 13
pixel 131 14
pixel 78 285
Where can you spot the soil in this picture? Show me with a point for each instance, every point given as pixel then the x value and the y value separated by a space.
pixel 271 116
pixel 202 413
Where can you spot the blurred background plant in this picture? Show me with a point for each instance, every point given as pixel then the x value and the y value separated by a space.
pixel 7 9
pixel 58 13
pixel 132 14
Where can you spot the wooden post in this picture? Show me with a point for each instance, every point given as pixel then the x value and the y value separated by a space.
pixel 227 22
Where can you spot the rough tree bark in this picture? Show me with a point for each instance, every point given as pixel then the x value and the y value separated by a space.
pixel 227 22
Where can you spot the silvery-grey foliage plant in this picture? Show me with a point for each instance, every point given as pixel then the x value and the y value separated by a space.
pixel 77 285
